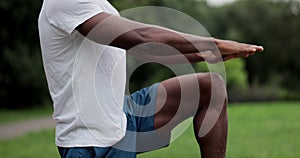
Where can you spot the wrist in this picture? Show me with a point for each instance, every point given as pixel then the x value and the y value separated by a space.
pixel 216 41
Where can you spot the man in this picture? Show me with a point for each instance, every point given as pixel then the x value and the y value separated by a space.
pixel 106 126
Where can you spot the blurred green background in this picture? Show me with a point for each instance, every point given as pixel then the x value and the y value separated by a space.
pixel 272 75
pixel 271 78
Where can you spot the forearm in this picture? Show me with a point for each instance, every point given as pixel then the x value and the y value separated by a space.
pixel 171 59
pixel 126 34
pixel 183 43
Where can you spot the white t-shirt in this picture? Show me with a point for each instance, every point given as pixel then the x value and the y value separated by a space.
pixel 86 80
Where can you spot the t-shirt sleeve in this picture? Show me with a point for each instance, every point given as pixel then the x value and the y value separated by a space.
pixel 68 14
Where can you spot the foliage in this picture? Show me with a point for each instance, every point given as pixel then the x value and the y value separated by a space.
pixel 22 81
pixel 273 23
pixel 236 76
pixel 148 74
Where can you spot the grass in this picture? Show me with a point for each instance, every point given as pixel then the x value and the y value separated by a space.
pixel 256 130
pixel 268 131
pixel 33 145
pixel 8 116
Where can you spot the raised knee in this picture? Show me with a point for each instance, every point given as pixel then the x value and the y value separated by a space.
pixel 214 90
pixel 215 77
pixel 208 80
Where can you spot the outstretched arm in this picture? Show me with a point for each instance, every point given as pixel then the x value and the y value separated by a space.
pixel 186 58
pixel 123 33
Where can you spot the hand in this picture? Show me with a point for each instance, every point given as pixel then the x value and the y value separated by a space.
pixel 227 47
pixel 213 59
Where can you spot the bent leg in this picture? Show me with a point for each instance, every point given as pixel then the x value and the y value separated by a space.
pixel 202 96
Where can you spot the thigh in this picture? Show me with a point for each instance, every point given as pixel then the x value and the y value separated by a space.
pixel 140 135
pixel 181 97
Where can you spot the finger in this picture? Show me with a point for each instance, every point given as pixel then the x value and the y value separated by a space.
pixel 258 48
pixel 243 55
pixel 250 50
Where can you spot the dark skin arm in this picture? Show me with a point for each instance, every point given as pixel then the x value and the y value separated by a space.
pixel 185 58
pixel 119 32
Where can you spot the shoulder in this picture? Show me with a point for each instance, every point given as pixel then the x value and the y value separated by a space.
pixel 55 6
pixel 68 14
pixel 77 7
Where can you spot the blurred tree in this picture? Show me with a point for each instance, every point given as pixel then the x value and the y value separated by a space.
pixel 236 75
pixel 22 81
pixel 274 24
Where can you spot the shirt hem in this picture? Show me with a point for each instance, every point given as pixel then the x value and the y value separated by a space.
pixel 69 144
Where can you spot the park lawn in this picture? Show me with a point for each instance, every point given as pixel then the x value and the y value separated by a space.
pixel 256 130
pixel 33 145
pixel 269 131
pixel 8 116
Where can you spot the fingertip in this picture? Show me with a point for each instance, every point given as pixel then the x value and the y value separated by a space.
pixel 259 48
